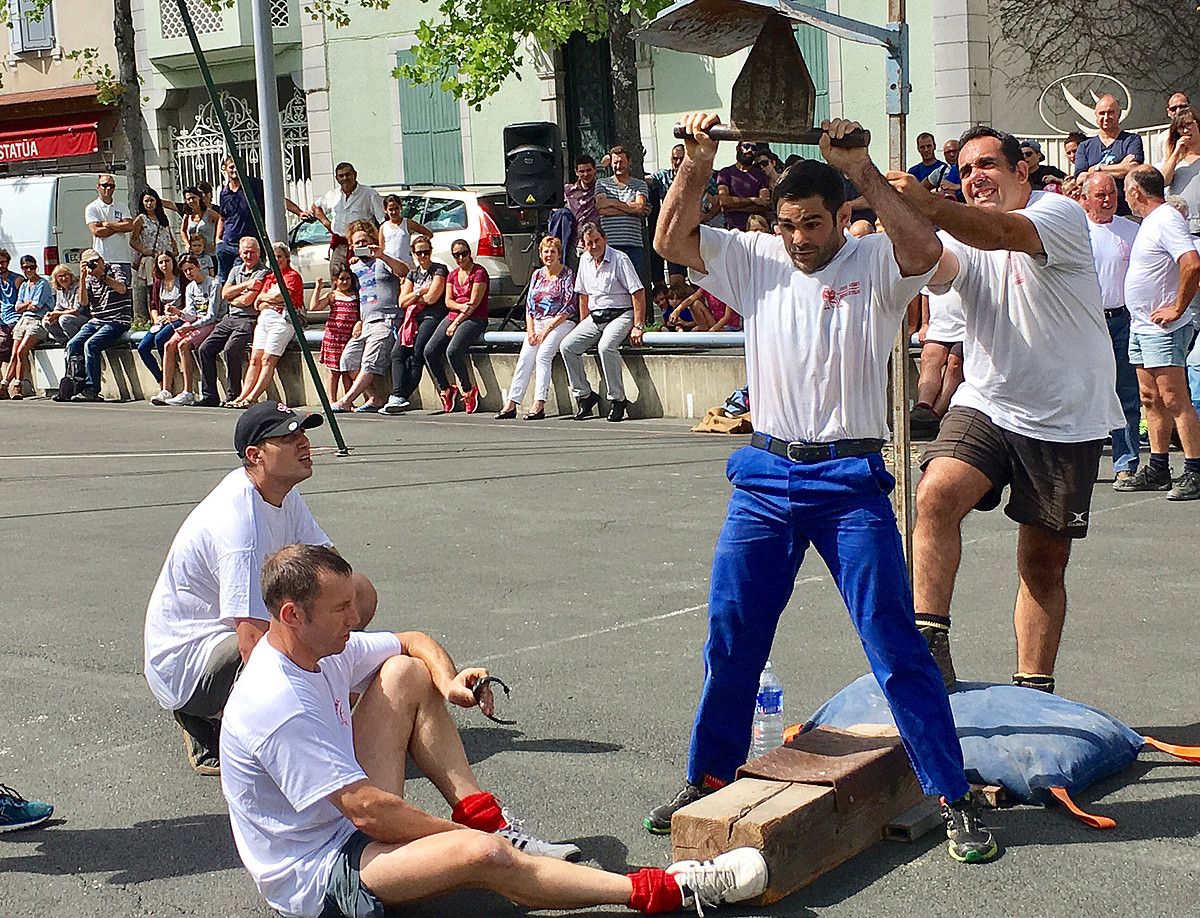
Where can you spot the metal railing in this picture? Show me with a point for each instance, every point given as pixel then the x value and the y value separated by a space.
pixel 1153 142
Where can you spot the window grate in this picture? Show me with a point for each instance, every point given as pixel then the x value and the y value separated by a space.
pixel 204 18
pixel 281 15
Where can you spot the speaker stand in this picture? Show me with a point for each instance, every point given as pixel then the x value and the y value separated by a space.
pixel 541 224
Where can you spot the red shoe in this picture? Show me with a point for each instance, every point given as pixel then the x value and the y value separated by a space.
pixel 448 399
pixel 471 400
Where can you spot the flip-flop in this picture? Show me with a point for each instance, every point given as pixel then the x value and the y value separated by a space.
pixel 367 409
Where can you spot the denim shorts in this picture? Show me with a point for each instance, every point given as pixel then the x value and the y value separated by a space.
pixel 1168 349
pixel 345 894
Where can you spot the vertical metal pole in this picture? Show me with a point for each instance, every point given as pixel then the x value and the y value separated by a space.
pixel 897 92
pixel 260 224
pixel 268 120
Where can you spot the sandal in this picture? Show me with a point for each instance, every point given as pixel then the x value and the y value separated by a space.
pixel 506 415
pixel 14 390
pixel 536 415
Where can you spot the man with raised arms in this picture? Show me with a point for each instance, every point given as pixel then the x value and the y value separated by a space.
pixel 821 311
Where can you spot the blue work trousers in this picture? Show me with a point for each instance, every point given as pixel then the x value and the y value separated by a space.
pixel 1125 439
pixel 841 507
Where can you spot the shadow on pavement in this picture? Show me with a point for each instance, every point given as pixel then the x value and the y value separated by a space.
pixel 484 742
pixel 157 849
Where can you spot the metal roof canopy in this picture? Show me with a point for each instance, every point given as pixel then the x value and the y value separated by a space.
pixel 718 28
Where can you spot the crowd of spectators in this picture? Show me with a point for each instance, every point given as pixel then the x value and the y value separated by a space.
pixel 393 312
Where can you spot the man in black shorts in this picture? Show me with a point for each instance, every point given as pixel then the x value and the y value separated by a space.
pixel 1037 401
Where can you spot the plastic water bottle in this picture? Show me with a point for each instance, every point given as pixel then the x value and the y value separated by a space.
pixel 768 714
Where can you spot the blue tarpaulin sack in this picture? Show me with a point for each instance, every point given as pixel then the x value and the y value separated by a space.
pixel 1038 747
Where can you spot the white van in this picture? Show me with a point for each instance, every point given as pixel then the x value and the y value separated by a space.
pixel 42 216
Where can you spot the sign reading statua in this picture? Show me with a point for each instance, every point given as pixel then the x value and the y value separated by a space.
pixel 48 142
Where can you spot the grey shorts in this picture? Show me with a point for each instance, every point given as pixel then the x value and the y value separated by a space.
pixel 370 351
pixel 345 894
pixel 29 326
pixel 1168 349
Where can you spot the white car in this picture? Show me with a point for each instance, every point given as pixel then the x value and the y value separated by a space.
pixel 501 238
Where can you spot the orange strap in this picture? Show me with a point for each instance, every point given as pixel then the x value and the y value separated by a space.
pixel 793 731
pixel 1187 753
pixel 1095 822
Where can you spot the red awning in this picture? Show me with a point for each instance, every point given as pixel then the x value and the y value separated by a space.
pixel 48 139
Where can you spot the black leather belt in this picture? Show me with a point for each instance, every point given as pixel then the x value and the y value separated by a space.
pixel 1113 313
pixel 815 452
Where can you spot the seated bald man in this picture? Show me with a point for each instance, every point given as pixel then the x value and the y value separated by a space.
pixel 316 793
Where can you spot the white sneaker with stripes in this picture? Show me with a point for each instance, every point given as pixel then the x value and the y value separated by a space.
pixel 522 840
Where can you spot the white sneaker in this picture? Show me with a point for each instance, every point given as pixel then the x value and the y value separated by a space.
pixel 162 398
pixel 734 876
pixel 396 405
pixel 522 840
pixel 184 399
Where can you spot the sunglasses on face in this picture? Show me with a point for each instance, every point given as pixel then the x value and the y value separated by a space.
pixel 106 185
pixel 461 254
pixel 1177 108
pixel 422 251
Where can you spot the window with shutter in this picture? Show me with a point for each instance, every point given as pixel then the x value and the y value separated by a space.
pixel 432 132
pixel 28 30
pixel 814 45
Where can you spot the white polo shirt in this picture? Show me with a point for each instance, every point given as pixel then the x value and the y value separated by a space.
pixel 1037 355
pixel 1111 243
pixel 817 345
pixel 363 203
pixel 114 249
pixel 1153 277
pixel 610 284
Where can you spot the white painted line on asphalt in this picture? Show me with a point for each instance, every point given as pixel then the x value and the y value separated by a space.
pixel 557 642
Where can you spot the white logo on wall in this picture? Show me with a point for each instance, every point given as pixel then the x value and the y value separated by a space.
pixel 1073 98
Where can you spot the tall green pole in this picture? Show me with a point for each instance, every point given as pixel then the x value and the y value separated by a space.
pixel 256 215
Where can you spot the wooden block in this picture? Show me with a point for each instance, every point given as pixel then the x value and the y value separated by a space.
pixel 916 822
pixel 990 795
pixel 804 828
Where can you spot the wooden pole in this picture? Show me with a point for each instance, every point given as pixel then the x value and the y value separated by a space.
pixel 901 441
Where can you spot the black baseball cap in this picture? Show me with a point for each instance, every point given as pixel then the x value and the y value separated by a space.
pixel 270 419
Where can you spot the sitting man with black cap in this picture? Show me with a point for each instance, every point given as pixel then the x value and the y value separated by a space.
pixel 207 612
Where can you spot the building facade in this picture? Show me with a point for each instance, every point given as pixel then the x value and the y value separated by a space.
pixel 341 102
pixel 49 121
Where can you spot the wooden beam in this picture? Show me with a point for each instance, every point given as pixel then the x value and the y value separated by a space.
pixel 853 786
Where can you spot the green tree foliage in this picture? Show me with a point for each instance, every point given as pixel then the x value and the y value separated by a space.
pixel 473 46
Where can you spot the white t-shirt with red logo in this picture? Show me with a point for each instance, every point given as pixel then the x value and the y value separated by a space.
pixel 287 743
pixel 1037 355
pixel 817 345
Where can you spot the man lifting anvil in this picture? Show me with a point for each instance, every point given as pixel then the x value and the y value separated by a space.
pixel 821 310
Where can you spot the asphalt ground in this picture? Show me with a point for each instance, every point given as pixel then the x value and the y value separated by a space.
pixel 573 560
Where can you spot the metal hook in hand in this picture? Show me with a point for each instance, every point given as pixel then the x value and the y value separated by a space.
pixel 478 691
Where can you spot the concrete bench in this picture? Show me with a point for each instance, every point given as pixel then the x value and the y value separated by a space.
pixel 676 383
